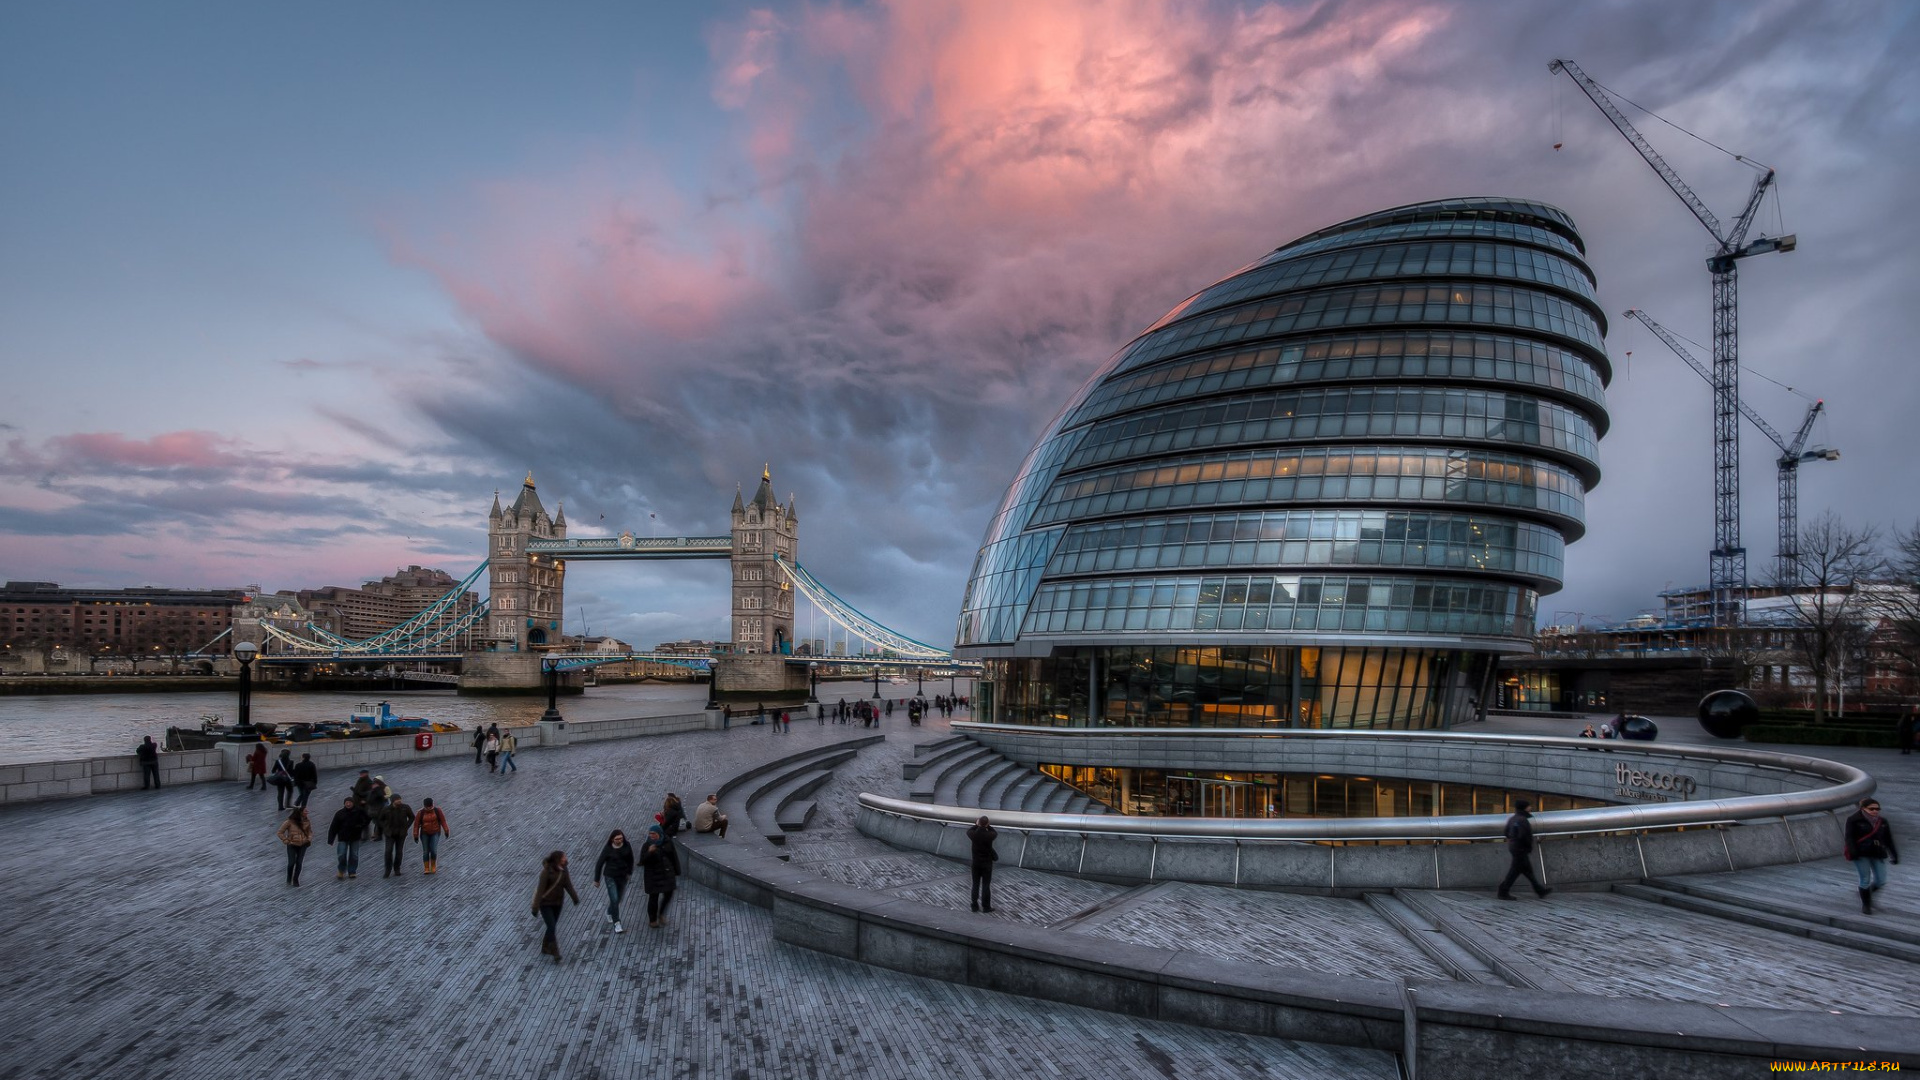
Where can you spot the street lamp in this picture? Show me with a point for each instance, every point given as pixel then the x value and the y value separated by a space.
pixel 876 683
pixel 552 715
pixel 245 652
pixel 813 684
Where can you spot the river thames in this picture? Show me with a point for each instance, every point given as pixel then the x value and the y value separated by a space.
pixel 65 726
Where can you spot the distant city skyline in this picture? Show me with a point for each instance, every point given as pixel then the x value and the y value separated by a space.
pixel 285 296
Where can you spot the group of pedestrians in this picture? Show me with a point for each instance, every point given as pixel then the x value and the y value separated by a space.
pixel 370 811
pixel 496 748
pixel 658 862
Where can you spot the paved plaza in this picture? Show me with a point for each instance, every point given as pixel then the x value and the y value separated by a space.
pixel 152 936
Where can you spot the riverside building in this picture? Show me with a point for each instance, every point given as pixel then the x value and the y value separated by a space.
pixel 1324 492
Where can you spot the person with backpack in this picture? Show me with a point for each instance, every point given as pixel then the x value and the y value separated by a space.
pixel 429 825
pixel 508 744
pixel 306 777
pixel 282 779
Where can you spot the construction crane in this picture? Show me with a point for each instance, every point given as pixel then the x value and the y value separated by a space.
pixel 1728 560
pixel 1792 453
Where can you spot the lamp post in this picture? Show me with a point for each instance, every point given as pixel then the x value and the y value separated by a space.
pixel 552 670
pixel 876 683
pixel 813 684
pixel 245 652
pixel 919 682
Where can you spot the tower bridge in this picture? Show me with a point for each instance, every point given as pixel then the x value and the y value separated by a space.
pixel 503 641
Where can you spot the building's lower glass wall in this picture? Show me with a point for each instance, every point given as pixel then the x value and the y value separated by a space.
pixel 1183 793
pixel 1236 686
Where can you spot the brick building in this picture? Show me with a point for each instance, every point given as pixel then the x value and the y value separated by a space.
pixel 119 622
pixel 378 606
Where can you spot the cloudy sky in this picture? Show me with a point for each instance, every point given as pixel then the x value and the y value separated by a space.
pixel 285 295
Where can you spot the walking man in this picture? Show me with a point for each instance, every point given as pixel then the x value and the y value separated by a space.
pixel 399 818
pixel 1905 729
pixel 428 827
pixel 282 779
pixel 479 742
pixel 344 834
pixel 1869 848
pixel 306 777
pixel 1520 846
pixel 507 746
pixel 982 835
pixel 149 754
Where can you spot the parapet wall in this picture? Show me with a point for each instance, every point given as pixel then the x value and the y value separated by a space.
pixel 121 772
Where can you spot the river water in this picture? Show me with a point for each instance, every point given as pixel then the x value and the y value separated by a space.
pixel 66 726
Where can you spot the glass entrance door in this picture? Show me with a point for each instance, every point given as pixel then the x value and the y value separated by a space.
pixel 1192 797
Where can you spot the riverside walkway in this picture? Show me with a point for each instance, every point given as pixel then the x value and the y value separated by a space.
pixel 150 934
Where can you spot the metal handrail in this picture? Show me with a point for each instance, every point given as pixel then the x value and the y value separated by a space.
pixel 1848 786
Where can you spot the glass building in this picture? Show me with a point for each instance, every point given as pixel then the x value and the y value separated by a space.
pixel 1327 491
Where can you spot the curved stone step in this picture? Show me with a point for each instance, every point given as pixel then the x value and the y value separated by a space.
pixel 953 780
pixel 1025 792
pixel 994 792
pixel 974 791
pixel 940 782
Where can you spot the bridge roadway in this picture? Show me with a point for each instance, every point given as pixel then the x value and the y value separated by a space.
pixel 150 935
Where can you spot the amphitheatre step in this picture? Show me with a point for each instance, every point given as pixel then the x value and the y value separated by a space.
pixel 1871 925
pixel 947 785
pixel 934 782
pixel 770 798
pixel 1510 963
pixel 994 794
pixel 937 754
pixel 794 816
pixel 1816 928
pixel 978 790
pixel 1431 940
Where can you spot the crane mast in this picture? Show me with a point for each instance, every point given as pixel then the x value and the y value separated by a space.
pixel 1728 560
pixel 1792 453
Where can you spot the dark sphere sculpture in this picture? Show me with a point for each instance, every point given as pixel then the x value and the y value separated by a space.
pixel 1726 713
pixel 1637 727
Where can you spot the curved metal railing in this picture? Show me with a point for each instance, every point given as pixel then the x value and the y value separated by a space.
pixel 1841 786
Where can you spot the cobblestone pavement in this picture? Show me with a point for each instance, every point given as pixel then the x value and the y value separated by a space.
pixel 151 935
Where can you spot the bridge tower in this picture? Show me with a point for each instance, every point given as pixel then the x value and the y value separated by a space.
pixel 763 532
pixel 526 592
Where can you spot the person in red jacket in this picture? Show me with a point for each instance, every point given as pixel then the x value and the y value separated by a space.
pixel 429 825
pixel 257 767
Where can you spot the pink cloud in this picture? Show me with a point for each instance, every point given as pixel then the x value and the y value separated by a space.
pixel 111 451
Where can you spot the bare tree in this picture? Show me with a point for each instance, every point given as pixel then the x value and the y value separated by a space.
pixel 1901 642
pixel 1829 620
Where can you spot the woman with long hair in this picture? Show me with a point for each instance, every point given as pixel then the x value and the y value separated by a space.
pixel 611 871
pixel 659 866
pixel 297 833
pixel 554 888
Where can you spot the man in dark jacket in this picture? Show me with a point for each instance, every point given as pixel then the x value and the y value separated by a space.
pixel 149 754
pixel 1905 729
pixel 396 819
pixel 306 777
pixel 1869 848
pixel 1520 846
pixel 344 834
pixel 982 835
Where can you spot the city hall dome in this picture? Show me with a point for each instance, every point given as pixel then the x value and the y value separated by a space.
pixel 1326 491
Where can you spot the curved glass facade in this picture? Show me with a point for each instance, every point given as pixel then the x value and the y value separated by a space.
pixel 1326 491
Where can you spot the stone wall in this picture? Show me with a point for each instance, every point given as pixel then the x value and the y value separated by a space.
pixel 333 757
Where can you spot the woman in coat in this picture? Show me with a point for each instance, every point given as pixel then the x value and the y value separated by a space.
pixel 257 767
pixel 297 833
pixel 554 888
pixel 492 748
pixel 611 871
pixel 659 866
pixel 673 816
pixel 1869 848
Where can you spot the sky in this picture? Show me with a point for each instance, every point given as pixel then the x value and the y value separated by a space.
pixel 286 295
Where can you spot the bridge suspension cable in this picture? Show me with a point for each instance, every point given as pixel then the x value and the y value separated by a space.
pixel 439 625
pixel 855 622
